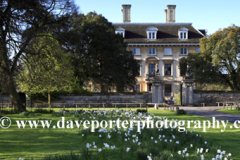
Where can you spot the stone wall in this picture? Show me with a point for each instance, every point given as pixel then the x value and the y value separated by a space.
pixel 71 100
pixel 210 98
pixel 5 100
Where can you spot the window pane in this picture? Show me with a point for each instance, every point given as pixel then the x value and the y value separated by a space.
pixel 181 35
pixel 183 51
pixel 167 51
pixel 137 88
pixel 168 89
pixel 138 51
pixel 151 68
pixel 167 68
pixel 153 35
pixel 151 51
pixel 149 35
pixel 138 69
pixel 134 51
pixel 185 35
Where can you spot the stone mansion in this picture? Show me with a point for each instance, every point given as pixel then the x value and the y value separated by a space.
pixel 159 47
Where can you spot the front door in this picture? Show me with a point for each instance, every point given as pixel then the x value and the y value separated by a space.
pixel 149 87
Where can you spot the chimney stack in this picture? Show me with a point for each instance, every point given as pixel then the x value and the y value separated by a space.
pixel 126 13
pixel 170 13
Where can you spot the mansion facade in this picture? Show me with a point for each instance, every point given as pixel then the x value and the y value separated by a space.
pixel 159 47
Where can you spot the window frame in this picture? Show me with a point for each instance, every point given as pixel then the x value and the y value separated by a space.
pixel 136 87
pixel 166 52
pixel 169 89
pixel 166 69
pixel 151 35
pixel 120 32
pixel 151 49
pixel 152 64
pixel 182 52
pixel 183 34
pixel 136 51
pixel 139 70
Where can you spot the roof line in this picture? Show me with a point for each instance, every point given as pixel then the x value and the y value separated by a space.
pixel 166 24
pixel 163 44
pixel 198 31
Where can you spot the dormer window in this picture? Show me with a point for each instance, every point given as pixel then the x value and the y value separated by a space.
pixel 183 33
pixel 121 31
pixel 151 32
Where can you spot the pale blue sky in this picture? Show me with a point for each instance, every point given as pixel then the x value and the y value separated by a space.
pixel 204 14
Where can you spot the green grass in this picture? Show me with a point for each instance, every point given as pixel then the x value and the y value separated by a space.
pixel 233 111
pixel 38 143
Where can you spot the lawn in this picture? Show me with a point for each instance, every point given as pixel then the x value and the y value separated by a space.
pixel 233 111
pixel 39 143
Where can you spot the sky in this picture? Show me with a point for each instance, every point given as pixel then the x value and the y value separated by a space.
pixel 211 15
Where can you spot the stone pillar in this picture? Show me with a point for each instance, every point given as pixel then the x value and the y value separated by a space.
pixel 160 93
pixel 160 67
pixel 183 94
pixel 187 92
pixel 143 74
pixel 191 94
pixel 157 92
pixel 153 93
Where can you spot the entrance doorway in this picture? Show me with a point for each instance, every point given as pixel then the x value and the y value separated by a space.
pixel 149 87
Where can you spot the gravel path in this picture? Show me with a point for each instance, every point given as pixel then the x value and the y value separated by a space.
pixel 211 112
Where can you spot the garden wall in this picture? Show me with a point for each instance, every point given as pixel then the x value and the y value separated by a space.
pixel 210 98
pixel 107 99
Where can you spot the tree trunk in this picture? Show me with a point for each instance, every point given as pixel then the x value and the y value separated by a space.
pixel 49 99
pixel 16 101
pixel 104 89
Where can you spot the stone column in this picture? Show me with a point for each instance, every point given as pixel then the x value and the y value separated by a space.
pixel 143 74
pixel 183 94
pixel 157 92
pixel 153 93
pixel 187 92
pixel 160 93
pixel 191 94
pixel 160 67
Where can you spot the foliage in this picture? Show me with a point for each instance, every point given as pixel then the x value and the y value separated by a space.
pixel 72 156
pixel 179 98
pixel 43 96
pixel 141 110
pixel 20 22
pixel 98 54
pixel 181 111
pixel 45 68
pixel 218 61
pixel 41 110
pixel 24 113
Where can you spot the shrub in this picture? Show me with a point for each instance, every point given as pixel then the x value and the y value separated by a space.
pixel 154 151
pixel 142 110
pixel 40 110
pixel 179 98
pixel 63 157
pixel 141 155
pixel 24 113
pixel 181 111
